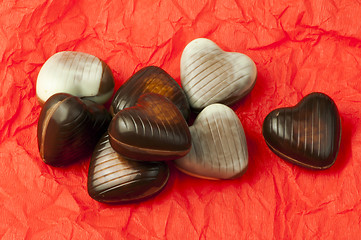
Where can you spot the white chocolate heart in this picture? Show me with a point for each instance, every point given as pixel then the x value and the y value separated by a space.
pixel 210 75
pixel 76 73
pixel 219 146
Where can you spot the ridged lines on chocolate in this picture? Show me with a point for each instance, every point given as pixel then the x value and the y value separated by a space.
pixel 104 142
pixel 207 54
pixel 218 145
pixel 200 52
pixel 102 122
pixel 217 160
pixel 86 57
pixel 307 130
pixel 141 127
pixel 81 119
pixel 169 126
pixel 119 178
pixel 117 170
pixel 137 89
pixel 121 104
pixel 126 183
pixel 113 173
pixel 205 70
pixel 106 155
pixel 222 64
pixel 69 67
pixel 224 87
pixel 108 174
pixel 151 126
pixel 222 146
pixel 231 140
pixel 236 141
pixel 115 164
pixel 60 70
pixel 219 76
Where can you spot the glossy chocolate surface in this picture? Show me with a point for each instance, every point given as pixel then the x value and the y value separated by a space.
pixel 210 75
pixel 115 179
pixel 219 146
pixel 307 134
pixel 69 128
pixel 150 80
pixel 79 74
pixel 153 130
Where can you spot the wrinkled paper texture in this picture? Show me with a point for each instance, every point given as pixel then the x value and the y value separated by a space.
pixel 299 47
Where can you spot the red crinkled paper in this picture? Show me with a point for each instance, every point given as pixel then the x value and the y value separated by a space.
pixel 299 47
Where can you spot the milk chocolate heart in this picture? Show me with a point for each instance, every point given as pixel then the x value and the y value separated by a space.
pixel 153 130
pixel 307 134
pixel 149 80
pixel 114 179
pixel 210 75
pixel 219 147
pixel 69 128
pixel 76 73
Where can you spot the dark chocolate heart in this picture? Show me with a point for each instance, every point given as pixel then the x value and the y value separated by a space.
pixel 307 134
pixel 153 130
pixel 149 80
pixel 69 128
pixel 115 179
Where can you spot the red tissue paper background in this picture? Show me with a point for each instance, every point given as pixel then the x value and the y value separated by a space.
pixel 299 47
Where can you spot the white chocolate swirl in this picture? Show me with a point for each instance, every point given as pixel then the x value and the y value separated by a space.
pixel 76 73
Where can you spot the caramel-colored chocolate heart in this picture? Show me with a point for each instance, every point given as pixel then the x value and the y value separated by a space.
pixel 150 80
pixel 153 130
pixel 210 75
pixel 219 146
pixel 76 73
pixel 69 128
pixel 115 179
pixel 307 134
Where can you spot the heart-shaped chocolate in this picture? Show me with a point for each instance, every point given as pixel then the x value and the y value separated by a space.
pixel 307 134
pixel 219 146
pixel 150 80
pixel 210 75
pixel 114 179
pixel 69 128
pixel 153 130
pixel 76 73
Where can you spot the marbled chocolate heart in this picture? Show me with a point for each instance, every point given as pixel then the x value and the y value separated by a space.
pixel 210 75
pixel 79 74
pixel 219 146
pixel 114 179
pixel 69 128
pixel 307 134
pixel 153 130
pixel 149 80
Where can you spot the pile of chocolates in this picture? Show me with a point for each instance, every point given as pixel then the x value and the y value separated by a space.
pixel 146 126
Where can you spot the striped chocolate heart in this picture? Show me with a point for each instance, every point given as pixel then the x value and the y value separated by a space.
pixel 114 179
pixel 210 75
pixel 150 79
pixel 76 73
pixel 219 147
pixel 153 130
pixel 307 134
